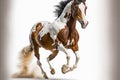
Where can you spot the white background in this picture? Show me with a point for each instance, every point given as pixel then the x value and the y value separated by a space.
pixel 94 45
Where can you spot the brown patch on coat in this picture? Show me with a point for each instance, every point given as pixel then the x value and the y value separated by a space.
pixel 36 33
pixel 66 14
pixel 63 35
pixel 47 42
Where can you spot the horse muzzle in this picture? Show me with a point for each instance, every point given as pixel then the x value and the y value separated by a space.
pixel 83 23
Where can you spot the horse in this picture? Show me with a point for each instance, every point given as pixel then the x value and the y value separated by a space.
pixel 57 36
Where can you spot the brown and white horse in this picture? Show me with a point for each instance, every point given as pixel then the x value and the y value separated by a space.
pixel 59 35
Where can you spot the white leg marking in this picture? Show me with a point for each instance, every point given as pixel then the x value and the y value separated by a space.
pixel 77 59
pixel 72 41
pixel 62 48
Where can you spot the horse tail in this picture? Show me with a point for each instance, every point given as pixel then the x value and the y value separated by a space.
pixel 25 58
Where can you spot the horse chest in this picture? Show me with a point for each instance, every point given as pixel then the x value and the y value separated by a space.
pixel 73 37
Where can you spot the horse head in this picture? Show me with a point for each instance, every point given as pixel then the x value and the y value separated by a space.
pixel 78 11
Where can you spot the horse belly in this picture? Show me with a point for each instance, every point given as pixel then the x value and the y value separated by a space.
pixel 47 42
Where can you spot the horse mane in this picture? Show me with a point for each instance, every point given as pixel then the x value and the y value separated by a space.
pixel 60 7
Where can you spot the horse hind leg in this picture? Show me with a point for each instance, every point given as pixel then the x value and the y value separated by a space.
pixel 36 51
pixel 51 57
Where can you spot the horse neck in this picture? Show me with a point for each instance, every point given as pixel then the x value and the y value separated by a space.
pixel 72 24
pixel 62 19
pixel 66 10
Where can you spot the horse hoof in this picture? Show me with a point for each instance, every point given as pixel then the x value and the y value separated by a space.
pixel 45 76
pixel 65 69
pixel 52 71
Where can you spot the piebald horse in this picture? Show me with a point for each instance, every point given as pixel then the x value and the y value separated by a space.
pixel 59 35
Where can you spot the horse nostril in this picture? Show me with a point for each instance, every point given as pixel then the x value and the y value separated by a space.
pixel 82 22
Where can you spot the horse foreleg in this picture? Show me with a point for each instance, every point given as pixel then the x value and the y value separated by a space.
pixel 36 50
pixel 75 50
pixel 77 60
pixel 51 57
pixel 65 68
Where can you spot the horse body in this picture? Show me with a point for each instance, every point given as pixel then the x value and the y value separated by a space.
pixel 62 31
pixel 43 33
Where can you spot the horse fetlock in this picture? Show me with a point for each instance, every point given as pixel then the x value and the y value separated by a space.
pixel 45 76
pixel 65 69
pixel 74 66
